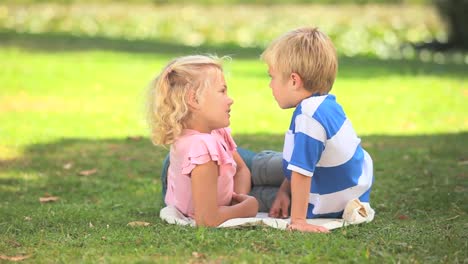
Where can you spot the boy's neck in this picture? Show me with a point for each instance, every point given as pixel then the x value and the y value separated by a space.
pixel 304 94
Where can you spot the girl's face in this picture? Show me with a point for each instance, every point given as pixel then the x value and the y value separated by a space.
pixel 214 102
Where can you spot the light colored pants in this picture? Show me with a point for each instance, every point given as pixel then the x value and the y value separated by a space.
pixel 266 168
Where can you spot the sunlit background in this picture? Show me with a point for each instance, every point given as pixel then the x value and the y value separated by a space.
pixel 379 43
pixel 382 30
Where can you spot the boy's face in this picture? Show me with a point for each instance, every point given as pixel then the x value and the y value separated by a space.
pixel 281 89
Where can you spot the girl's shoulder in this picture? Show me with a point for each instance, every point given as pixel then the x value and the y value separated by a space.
pixel 201 139
pixel 194 143
pixel 195 140
pixel 199 148
pixel 223 133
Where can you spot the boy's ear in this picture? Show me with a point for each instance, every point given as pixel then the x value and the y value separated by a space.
pixel 296 80
pixel 192 100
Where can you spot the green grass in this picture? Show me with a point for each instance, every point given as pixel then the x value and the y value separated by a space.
pixel 79 101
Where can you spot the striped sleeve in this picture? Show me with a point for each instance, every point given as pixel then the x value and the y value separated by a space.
pixel 308 144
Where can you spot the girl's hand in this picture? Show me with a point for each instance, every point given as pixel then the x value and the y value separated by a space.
pixel 249 203
pixel 238 198
pixel 303 226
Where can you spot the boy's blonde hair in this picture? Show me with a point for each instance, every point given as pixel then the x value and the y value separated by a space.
pixel 167 96
pixel 307 52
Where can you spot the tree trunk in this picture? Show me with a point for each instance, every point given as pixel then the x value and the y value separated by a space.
pixel 455 13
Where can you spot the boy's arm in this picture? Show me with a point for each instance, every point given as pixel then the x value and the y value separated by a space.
pixel 242 178
pixel 300 189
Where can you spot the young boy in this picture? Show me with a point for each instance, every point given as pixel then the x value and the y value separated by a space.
pixel 324 163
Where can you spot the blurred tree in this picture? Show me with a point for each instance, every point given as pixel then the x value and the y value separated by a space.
pixel 455 13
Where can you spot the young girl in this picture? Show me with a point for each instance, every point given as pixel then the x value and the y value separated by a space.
pixel 189 108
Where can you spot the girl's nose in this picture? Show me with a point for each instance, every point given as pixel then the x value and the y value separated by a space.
pixel 231 101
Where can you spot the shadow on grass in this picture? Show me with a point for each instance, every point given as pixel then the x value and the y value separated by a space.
pixel 358 66
pixel 419 195
pixel 129 170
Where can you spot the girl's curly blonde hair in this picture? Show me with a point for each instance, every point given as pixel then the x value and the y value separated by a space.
pixel 167 109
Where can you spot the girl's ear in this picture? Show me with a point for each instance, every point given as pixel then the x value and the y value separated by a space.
pixel 296 80
pixel 192 100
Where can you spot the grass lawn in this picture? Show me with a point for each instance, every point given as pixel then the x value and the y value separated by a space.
pixel 75 105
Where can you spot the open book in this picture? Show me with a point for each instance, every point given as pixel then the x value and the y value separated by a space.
pixel 355 212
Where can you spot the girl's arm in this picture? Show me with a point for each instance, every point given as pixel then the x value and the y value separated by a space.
pixel 242 179
pixel 205 198
pixel 300 188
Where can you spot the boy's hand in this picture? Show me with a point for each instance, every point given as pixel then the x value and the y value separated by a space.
pixel 303 226
pixel 280 207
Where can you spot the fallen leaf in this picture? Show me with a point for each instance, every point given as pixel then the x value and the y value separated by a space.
pixel 91 225
pixel 14 258
pixel 68 165
pixel 87 172
pixel 27 218
pixel 403 217
pixel 138 223
pixel 134 138
pixel 198 255
pixel 131 176
pixel 113 147
pixel 48 199
pixel 126 158
pixel 367 144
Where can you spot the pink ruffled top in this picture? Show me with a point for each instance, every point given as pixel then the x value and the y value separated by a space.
pixel 193 148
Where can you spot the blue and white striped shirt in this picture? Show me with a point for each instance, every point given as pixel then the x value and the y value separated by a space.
pixel 321 143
